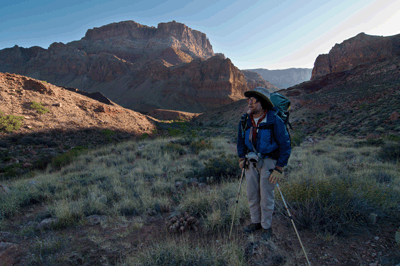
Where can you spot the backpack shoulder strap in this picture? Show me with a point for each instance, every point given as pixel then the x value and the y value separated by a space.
pixel 243 122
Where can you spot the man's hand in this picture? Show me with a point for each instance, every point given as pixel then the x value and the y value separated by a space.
pixel 243 163
pixel 276 176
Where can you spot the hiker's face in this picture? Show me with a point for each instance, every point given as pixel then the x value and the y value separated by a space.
pixel 253 106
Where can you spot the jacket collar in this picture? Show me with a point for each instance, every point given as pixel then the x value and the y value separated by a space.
pixel 271 118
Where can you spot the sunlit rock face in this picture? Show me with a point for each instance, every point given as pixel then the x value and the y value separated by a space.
pixel 361 49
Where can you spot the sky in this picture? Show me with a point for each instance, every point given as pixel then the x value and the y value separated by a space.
pixel 268 34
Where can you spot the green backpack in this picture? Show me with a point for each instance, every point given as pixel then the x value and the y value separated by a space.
pixel 282 104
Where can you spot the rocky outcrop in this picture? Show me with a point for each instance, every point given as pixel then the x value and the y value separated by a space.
pixel 383 71
pixel 361 49
pixel 139 67
pixel 128 35
pixel 284 78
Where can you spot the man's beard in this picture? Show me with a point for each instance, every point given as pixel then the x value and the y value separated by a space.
pixel 250 110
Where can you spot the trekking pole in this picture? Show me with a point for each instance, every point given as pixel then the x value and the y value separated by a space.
pixel 294 226
pixel 237 201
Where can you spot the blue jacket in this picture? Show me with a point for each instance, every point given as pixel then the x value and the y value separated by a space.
pixel 272 139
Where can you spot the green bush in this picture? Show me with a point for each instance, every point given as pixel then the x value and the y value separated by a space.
pixel 198 145
pixel 10 170
pixel 393 137
pixel 108 133
pixel 173 132
pixel 39 107
pixel 67 158
pixel 9 123
pixel 297 138
pixel 390 152
pixel 221 167
pixel 144 136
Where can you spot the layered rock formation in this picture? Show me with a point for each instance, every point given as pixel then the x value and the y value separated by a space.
pixel 356 51
pixel 142 68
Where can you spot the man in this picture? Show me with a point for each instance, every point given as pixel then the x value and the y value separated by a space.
pixel 264 149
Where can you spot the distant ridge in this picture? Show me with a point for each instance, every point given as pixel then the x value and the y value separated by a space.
pixel 284 78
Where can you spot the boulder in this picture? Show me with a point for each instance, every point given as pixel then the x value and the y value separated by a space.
pixel 47 224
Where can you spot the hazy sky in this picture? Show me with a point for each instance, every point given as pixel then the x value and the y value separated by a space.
pixel 253 34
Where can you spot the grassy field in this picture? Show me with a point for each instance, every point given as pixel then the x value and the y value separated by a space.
pixel 336 186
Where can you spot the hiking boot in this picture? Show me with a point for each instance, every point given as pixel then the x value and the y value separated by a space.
pixel 266 234
pixel 252 228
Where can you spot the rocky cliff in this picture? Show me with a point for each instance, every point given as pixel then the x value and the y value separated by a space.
pixel 361 49
pixel 284 78
pixel 130 40
pixel 143 68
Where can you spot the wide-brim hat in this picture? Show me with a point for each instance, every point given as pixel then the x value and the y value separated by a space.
pixel 263 93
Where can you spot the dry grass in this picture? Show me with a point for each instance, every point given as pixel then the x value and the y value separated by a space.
pixel 333 186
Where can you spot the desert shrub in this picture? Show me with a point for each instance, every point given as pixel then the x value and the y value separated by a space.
pixel 144 136
pixel 337 184
pixel 108 133
pixel 10 171
pixel 9 123
pixel 224 166
pixel 128 206
pixel 173 148
pixel 220 216
pixel 338 205
pixel 39 107
pixel 392 137
pixel 215 220
pixel 22 193
pixel 66 158
pixel 162 188
pixel 173 253
pixel 173 132
pixel 215 206
pixel 195 203
pixel 68 212
pixel 198 145
pixel 390 152
pixel 297 137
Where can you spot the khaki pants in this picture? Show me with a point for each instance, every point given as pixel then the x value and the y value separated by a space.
pixel 260 192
